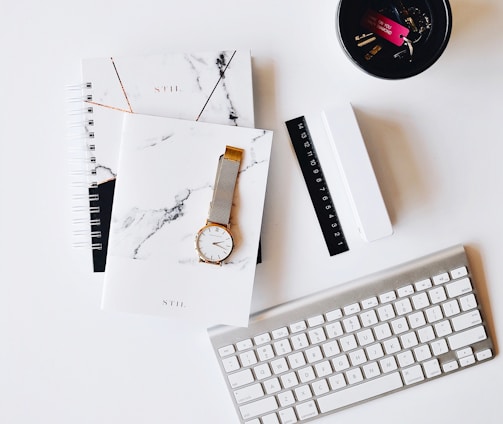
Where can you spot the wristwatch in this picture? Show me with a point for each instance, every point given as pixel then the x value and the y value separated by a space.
pixel 214 242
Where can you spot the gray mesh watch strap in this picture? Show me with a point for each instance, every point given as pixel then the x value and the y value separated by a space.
pixel 225 182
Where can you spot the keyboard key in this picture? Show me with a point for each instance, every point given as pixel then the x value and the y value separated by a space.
pixel 369 318
pixel 371 370
pixel 357 357
pixel 259 407
pixel 317 336
pixel 437 294
pixel 272 386
pixel 340 363
pixel 461 353
pixel 382 331
pixel 244 344
pixel 443 328
pixel 240 378
pixel 413 375
pixel 337 381
pixel 360 392
pixel 352 309
pixel 287 416
pixel 303 393
pixel 459 272
pixel 439 347
pixel 388 364
pixel 426 334
pixel 279 333
pixel 441 278
pixel 270 419
pixel 265 353
pixel 248 358
pixel 262 339
pixel 387 297
pixel 282 347
pixel 351 324
pixel 314 354
pixel 286 398
pixel 386 312
pixel 458 288
pixel 484 354
pixel 315 321
pixel 306 410
pixel 405 358
pixel 226 350
pixel 466 320
pixel 434 314
pixel 248 393
pixel 450 366
pixel 365 337
pixel 399 325
pixel 330 349
pixel 231 364
pixel 306 374
pixel 296 360
pixel 323 369
pixel 467 302
pixel 392 346
pixel 348 343
pixel 370 303
pixel 451 308
pixel 423 284
pixel 409 340
pixel 279 365
pixel 333 315
pixel 289 380
pixel 403 306
pixel 467 337
pixel 320 387
pixel 467 360
pixel 405 291
pixel 334 329
pixel 420 301
pixel 374 351
pixel 298 326
pixel 354 376
pixel 431 368
pixel 422 353
pixel 300 341
pixel 262 371
pixel 416 320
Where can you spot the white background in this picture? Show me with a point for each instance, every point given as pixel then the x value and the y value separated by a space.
pixel 435 142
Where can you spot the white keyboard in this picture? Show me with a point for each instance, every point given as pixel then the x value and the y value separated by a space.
pixel 313 356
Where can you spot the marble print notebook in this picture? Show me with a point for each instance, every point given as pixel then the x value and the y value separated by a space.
pixel 211 87
pixel 167 171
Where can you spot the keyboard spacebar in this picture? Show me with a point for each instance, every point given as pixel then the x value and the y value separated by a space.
pixel 360 392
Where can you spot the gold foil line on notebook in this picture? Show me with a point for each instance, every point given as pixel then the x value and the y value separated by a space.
pixel 122 86
pixel 108 106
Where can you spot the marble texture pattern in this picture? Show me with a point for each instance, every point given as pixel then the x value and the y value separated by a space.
pixel 211 87
pixel 167 170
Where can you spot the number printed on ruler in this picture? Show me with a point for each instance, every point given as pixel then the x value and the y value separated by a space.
pixel 316 185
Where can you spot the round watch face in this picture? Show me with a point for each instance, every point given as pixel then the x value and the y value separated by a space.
pixel 214 243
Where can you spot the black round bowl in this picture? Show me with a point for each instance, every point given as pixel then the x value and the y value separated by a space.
pixel 369 31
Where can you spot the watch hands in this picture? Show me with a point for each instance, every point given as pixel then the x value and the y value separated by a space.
pixel 217 243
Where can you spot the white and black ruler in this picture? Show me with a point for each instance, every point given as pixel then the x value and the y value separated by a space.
pixel 317 185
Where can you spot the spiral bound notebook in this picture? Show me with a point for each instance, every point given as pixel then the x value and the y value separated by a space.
pixel 167 170
pixel 211 87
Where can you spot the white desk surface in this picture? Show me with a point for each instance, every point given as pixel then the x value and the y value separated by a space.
pixel 435 141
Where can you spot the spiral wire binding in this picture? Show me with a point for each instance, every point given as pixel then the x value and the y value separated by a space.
pixel 86 226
